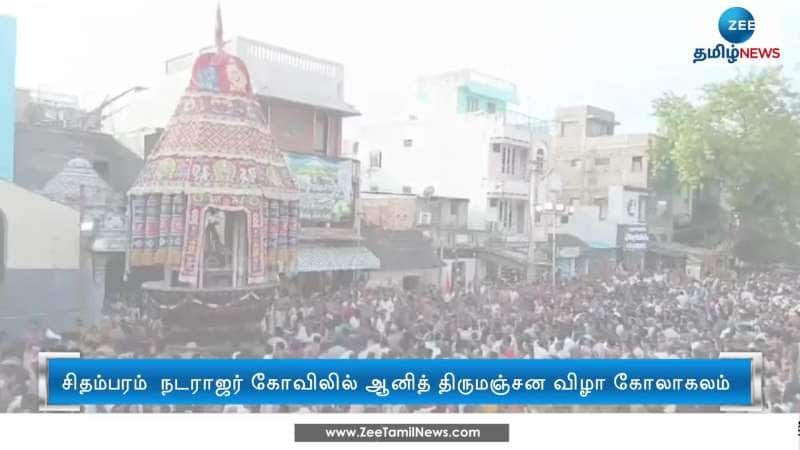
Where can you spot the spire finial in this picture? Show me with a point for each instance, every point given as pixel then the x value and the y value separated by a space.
pixel 218 29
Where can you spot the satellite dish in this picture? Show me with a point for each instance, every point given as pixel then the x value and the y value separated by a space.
pixel 428 192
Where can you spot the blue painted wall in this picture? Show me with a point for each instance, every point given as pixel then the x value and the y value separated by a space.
pixel 8 57
pixel 464 94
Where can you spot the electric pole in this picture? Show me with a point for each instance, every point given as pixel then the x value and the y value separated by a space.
pixel 536 166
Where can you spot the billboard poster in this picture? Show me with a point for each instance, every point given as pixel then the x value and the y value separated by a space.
pixel 389 213
pixel 633 237
pixel 325 185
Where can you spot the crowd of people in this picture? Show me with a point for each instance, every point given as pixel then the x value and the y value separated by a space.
pixel 626 316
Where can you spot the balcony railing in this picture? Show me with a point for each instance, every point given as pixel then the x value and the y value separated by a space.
pixel 254 50
pixel 460 238
pixel 621 140
pixel 516 188
pixel 518 119
pixel 54 98
pixel 283 73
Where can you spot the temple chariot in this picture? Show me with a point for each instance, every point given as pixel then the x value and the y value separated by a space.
pixel 214 204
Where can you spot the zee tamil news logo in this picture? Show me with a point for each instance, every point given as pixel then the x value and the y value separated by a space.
pixel 736 25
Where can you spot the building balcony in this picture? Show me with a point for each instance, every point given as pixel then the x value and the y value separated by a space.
pixel 636 143
pixel 282 73
pixel 462 238
pixel 517 188
pixel 509 237
pixel 516 127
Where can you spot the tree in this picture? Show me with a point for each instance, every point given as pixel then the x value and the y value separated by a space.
pixel 744 134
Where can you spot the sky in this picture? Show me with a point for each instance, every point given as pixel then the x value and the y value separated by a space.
pixel 615 54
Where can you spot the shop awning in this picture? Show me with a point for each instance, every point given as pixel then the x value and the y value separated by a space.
pixel 321 259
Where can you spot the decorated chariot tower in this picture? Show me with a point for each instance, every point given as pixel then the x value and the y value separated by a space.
pixel 214 204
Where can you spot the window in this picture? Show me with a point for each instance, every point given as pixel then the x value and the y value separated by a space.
pixel 406 189
pixel 575 163
pixel 636 164
pixel 564 219
pixel 453 208
pixel 320 131
pixel 642 208
pixel 570 129
pixel 504 214
pixel 602 161
pixel 509 160
pixel 537 217
pixel 375 160
pixel 496 148
pixel 539 163
pixel 520 217
pixel 408 142
pixel 101 167
pixel 493 202
pixel 491 108
pixel 472 104
pixel 602 204
pixel 373 188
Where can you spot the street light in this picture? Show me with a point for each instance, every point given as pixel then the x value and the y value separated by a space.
pixel 557 210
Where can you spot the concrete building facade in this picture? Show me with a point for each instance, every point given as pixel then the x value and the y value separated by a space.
pixel 44 276
pixel 589 157
pixel 441 220
pixel 607 179
pixel 456 135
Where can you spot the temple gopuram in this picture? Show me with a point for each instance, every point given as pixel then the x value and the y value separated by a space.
pixel 214 204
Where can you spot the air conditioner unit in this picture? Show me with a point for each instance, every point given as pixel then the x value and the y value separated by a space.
pixel 424 218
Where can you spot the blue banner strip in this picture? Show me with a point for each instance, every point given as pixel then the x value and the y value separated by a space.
pixel 399 381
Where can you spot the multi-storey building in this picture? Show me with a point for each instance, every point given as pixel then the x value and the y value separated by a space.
pixel 589 157
pixel 456 135
pixel 606 178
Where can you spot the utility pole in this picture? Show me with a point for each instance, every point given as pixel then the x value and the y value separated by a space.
pixel 533 196
pixel 536 171
pixel 555 211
